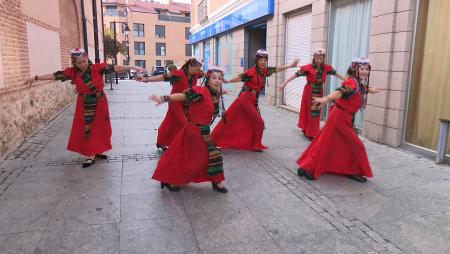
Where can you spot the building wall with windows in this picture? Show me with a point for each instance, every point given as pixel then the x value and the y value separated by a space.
pixel 384 31
pixel 36 39
pixel 163 39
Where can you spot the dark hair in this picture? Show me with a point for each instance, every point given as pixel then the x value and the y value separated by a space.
pixel 191 62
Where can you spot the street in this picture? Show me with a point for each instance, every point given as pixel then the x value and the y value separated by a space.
pixel 49 204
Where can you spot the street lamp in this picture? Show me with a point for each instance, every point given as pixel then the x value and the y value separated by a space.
pixel 126 30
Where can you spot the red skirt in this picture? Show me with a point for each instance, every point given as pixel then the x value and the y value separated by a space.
pixel 100 139
pixel 186 160
pixel 172 123
pixel 336 149
pixel 244 125
pixel 310 125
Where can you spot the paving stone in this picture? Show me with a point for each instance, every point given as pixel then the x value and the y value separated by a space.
pixel 161 235
pixel 69 237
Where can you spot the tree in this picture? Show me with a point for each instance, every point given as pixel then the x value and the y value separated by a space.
pixel 110 44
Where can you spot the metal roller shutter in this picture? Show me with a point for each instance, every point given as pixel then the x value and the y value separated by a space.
pixel 298 45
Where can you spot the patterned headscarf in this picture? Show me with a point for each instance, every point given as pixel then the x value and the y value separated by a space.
pixel 358 61
pixel 319 52
pixel 261 53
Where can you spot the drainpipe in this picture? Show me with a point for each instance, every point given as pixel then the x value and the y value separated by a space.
pixel 83 18
pixel 94 20
pixel 103 33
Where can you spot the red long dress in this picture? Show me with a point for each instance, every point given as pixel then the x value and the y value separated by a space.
pixel 175 117
pixel 99 140
pixel 187 157
pixel 337 148
pixel 309 118
pixel 244 125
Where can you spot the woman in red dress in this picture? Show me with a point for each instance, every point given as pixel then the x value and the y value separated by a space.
pixel 244 126
pixel 316 76
pixel 181 79
pixel 337 148
pixel 91 130
pixel 192 156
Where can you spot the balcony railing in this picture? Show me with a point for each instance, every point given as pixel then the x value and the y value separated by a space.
pixel 164 17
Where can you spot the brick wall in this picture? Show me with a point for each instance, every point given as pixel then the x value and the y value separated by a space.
pixel 24 109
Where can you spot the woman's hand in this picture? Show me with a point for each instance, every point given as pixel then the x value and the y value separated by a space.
pixel 282 85
pixel 321 101
pixel 158 99
pixel 29 81
pixel 139 69
pixel 374 90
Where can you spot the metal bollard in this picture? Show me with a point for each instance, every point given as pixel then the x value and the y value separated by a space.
pixel 442 141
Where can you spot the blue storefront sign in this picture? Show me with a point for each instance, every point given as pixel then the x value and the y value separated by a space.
pixel 254 9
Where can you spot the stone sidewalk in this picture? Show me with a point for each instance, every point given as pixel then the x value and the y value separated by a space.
pixel 49 204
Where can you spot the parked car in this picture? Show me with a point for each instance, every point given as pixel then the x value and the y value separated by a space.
pixel 158 70
pixel 122 75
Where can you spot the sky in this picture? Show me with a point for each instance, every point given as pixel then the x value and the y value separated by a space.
pixel 183 1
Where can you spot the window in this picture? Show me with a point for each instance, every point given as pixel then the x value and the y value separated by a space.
pixel 123 27
pixel 139 48
pixel 111 11
pixel 160 31
pixel 112 26
pixel 160 49
pixel 158 62
pixel 168 62
pixel 187 33
pixel 138 30
pixel 188 50
pixel 202 14
pixel 140 63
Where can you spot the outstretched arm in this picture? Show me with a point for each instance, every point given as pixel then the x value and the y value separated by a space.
pixel 374 90
pixel 160 99
pixel 123 68
pixel 285 83
pixel 339 76
pixel 331 97
pixel 157 78
pixel 233 80
pixel 40 77
pixel 292 65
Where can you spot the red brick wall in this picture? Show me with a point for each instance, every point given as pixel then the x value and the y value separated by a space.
pixel 70 29
pixel 14 48
pixel 24 109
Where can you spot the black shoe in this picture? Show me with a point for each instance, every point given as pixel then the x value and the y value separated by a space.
pixel 218 189
pixel 164 148
pixel 303 173
pixel 88 163
pixel 358 178
pixel 170 187
pixel 101 156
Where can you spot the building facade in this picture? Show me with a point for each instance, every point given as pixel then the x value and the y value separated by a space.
pixel 403 39
pixel 36 39
pixel 159 32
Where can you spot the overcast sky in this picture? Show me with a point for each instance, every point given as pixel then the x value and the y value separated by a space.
pixel 183 1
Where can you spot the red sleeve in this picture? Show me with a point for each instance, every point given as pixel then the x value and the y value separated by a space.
pixel 350 83
pixel 178 73
pixel 306 68
pixel 68 72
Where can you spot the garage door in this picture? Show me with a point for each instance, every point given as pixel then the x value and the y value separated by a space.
pixel 298 45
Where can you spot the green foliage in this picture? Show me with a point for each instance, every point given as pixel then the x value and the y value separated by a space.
pixel 110 44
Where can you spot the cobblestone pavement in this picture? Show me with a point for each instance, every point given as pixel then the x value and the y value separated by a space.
pixel 49 204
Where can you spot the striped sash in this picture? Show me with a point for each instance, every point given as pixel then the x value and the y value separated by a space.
pixel 215 161
pixel 316 94
pixel 89 104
